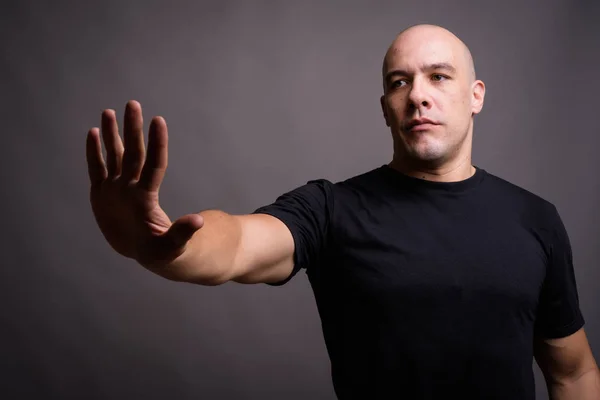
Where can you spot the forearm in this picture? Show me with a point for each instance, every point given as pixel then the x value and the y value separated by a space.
pixel 585 387
pixel 208 257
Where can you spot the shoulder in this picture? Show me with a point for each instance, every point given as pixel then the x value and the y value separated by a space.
pixel 363 182
pixel 530 206
pixel 331 188
pixel 321 193
pixel 512 192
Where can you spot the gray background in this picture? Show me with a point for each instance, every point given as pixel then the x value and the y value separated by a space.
pixel 259 97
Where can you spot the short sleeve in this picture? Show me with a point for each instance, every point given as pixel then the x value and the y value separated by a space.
pixel 558 313
pixel 306 212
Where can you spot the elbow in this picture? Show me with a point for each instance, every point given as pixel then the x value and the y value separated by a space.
pixel 198 276
pixel 208 280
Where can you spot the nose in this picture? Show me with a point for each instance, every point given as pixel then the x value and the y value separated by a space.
pixel 418 96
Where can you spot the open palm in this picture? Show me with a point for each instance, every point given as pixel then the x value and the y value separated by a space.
pixel 124 189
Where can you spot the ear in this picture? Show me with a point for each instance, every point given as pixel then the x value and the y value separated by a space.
pixel 478 90
pixel 384 109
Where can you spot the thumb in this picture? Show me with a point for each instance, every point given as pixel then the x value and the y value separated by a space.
pixel 183 229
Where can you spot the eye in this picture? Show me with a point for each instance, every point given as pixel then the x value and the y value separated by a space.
pixel 438 77
pixel 397 83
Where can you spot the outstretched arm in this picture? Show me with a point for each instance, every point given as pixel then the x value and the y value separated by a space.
pixel 209 248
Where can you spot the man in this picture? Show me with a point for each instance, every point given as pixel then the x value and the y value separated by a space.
pixel 433 278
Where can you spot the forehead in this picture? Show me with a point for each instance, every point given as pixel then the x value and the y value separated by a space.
pixel 414 52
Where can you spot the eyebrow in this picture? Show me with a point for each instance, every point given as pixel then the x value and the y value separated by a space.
pixel 428 67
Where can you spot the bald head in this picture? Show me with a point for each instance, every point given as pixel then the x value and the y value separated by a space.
pixel 428 74
pixel 434 40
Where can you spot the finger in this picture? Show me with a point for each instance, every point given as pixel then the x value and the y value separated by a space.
pixel 112 143
pixel 133 135
pixel 183 229
pixel 95 161
pixel 155 166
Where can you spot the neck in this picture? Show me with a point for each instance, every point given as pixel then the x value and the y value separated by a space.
pixel 457 170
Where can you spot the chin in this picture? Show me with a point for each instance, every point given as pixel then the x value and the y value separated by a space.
pixel 431 159
pixel 428 152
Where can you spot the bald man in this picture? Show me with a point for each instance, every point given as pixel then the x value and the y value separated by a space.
pixel 433 278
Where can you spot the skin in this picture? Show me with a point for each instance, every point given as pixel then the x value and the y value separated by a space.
pixel 208 248
pixel 428 73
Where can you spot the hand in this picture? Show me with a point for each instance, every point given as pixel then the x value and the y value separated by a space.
pixel 124 190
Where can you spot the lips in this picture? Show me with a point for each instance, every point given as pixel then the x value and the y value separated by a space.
pixel 421 127
pixel 420 124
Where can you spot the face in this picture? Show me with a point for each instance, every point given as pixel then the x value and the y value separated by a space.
pixel 430 95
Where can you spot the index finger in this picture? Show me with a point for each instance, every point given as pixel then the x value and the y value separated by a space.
pixel 155 166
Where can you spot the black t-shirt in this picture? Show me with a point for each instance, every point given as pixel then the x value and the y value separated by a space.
pixel 430 290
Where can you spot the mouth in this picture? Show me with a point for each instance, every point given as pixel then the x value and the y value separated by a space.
pixel 420 124
pixel 423 126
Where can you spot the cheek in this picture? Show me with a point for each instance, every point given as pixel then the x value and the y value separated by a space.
pixel 396 105
pixel 457 105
